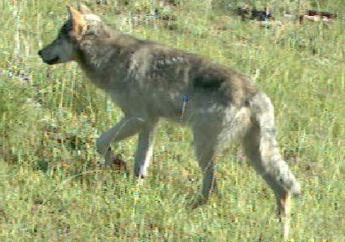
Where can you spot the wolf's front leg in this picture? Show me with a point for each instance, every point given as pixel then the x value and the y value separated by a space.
pixel 145 149
pixel 127 127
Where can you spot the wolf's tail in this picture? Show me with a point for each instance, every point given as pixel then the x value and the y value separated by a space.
pixel 271 161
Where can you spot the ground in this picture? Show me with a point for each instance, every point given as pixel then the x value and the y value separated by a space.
pixel 52 187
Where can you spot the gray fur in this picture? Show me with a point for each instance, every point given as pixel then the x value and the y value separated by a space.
pixel 148 81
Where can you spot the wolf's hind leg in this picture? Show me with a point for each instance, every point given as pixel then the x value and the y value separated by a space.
pixel 205 149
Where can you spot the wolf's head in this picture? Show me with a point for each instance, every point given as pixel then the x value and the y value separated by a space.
pixel 65 47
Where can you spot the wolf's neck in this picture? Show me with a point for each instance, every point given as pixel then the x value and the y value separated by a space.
pixel 95 55
pixel 101 56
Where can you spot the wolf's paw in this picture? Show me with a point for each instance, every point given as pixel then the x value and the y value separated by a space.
pixel 119 163
pixel 199 201
pixel 115 162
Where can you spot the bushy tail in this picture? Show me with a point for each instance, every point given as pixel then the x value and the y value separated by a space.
pixel 272 162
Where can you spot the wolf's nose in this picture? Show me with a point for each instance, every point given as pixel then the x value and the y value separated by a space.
pixel 40 52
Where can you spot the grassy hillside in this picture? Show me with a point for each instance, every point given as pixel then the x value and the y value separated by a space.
pixel 51 185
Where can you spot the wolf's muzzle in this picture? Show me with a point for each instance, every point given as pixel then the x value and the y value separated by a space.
pixel 49 62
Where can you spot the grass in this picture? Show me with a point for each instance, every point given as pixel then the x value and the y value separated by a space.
pixel 51 186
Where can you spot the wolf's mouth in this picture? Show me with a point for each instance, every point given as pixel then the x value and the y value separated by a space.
pixel 52 61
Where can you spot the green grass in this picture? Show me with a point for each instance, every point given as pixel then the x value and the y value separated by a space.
pixel 52 189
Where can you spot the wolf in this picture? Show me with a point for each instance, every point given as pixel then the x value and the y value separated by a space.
pixel 150 81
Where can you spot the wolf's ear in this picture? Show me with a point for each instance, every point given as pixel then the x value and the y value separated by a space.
pixel 84 9
pixel 79 25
